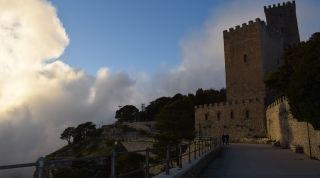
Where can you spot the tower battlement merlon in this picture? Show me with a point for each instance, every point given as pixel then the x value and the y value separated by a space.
pixel 244 26
pixel 279 5
pixel 229 103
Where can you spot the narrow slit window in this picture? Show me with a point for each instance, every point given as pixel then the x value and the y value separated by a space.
pixel 247 114
pixel 231 114
pixel 245 58
pixel 218 115
pixel 206 116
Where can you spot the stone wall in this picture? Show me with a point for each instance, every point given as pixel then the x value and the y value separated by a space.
pixel 252 51
pixel 283 127
pixel 243 58
pixel 238 118
pixel 283 18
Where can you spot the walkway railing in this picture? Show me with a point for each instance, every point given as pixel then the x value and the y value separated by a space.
pixel 160 158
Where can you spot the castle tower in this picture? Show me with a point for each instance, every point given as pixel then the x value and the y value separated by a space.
pixel 252 51
pixel 283 18
pixel 243 47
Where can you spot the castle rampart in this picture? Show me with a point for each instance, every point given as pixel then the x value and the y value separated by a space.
pixel 284 128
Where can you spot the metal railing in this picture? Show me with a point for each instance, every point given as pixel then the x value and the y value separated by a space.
pixel 171 156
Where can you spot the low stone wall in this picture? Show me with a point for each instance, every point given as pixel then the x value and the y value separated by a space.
pixel 286 129
pixel 193 169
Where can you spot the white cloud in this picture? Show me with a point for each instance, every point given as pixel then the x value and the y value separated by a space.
pixel 39 94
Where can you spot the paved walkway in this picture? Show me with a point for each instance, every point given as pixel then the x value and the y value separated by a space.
pixel 261 161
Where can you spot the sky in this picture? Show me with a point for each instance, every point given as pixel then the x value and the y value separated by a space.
pixel 67 62
pixel 129 36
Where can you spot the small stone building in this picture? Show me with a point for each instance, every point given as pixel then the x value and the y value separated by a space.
pixel 252 51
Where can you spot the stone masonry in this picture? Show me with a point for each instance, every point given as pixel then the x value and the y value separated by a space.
pixel 283 127
pixel 252 51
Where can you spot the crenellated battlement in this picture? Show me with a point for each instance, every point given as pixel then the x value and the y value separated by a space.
pixel 245 26
pixel 280 5
pixel 278 101
pixel 229 103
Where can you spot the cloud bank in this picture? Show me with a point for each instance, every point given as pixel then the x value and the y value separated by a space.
pixel 40 95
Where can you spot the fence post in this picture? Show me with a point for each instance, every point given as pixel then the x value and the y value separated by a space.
pixel 206 145
pixel 189 152
pixel 203 146
pixel 194 150
pixel 199 148
pixel 147 163
pixel 168 160
pixel 200 151
pixel 212 143
pixel 180 156
pixel 113 164
pixel 40 167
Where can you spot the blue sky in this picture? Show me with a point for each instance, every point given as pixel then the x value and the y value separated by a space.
pixel 175 42
pixel 139 35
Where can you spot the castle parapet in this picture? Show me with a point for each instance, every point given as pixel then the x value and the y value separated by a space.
pixel 244 26
pixel 278 101
pixel 228 103
pixel 279 5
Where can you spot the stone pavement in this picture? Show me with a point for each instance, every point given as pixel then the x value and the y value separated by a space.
pixel 261 161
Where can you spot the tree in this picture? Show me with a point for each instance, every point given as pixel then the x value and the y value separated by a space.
pixel 67 134
pixel 127 113
pixel 299 80
pixel 175 122
pixel 155 107
pixel 81 131
pixel 209 96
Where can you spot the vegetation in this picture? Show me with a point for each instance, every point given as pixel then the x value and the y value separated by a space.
pixel 75 135
pixel 170 112
pixel 67 134
pixel 175 122
pixel 174 118
pixel 127 113
pixel 91 142
pixel 299 80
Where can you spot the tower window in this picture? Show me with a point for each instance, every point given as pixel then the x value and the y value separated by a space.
pixel 218 115
pixel 206 116
pixel 247 114
pixel 231 114
pixel 245 58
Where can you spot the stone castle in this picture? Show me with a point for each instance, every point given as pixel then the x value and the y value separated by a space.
pixel 252 51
